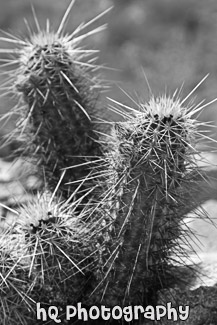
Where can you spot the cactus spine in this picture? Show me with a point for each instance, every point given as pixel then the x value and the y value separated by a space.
pixel 14 304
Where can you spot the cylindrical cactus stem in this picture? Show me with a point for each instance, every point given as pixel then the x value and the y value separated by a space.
pixel 57 82
pixel 152 165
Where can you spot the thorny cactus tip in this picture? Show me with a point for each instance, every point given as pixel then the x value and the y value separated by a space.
pixel 57 85
pixel 153 183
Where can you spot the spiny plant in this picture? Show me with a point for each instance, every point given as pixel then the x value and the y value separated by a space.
pixel 50 260
pixel 119 250
pixel 153 176
pixel 57 86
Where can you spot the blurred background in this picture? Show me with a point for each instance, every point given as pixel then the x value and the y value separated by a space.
pixel 173 41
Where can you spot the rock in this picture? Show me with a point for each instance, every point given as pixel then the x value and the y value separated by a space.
pixel 202 304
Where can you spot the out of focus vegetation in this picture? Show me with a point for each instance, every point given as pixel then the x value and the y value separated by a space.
pixel 173 41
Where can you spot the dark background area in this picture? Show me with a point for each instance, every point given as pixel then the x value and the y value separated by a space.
pixel 173 41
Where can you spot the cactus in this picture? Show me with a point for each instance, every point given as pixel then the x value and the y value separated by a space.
pixel 152 164
pixel 50 258
pixel 57 84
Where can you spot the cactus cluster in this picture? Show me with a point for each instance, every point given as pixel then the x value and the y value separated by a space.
pixel 106 226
